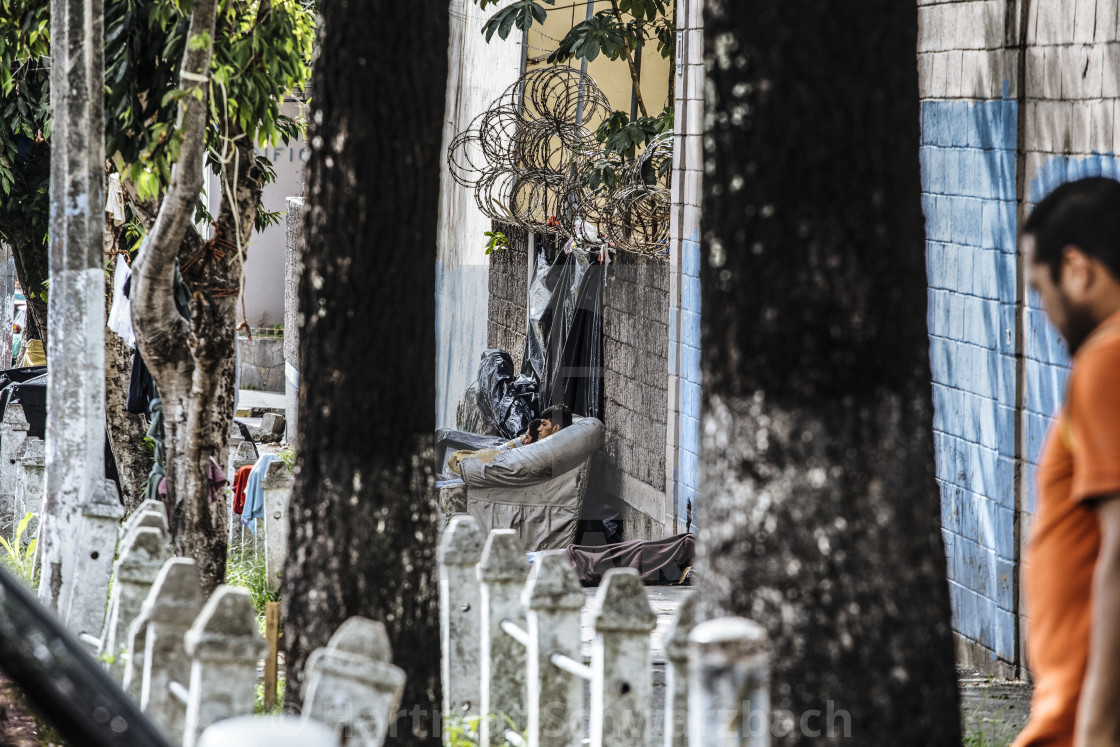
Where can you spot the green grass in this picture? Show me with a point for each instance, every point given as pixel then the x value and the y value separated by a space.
pixel 18 556
pixel 245 568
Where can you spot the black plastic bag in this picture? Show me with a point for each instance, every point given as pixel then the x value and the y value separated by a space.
pixel 506 402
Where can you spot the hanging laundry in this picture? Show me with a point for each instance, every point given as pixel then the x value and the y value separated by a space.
pixel 114 200
pixel 141 386
pixel 215 481
pixel 254 493
pixel 120 313
pixel 240 480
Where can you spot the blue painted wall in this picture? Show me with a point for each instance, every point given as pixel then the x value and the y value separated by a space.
pixel 1046 358
pixel 688 459
pixel 968 158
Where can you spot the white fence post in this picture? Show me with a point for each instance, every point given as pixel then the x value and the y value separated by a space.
pixel 676 674
pixel 622 680
pixel 174 602
pixel 729 681
pixel 94 547
pixel 352 684
pixel 13 432
pixel 277 488
pixel 554 598
pixel 143 553
pixel 30 462
pixel 150 513
pixel 502 571
pixel 268 731
pixel 224 646
pixel 460 549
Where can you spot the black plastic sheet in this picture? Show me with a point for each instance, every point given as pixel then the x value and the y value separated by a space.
pixel 505 401
pixel 564 344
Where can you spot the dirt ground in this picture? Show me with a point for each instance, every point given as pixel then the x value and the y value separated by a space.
pixel 993 711
pixel 17 726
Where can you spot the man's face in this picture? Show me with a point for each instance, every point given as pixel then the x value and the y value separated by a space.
pixel 1072 320
pixel 547 428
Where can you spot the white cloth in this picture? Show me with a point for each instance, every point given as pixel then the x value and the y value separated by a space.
pixel 120 313
pixel 114 199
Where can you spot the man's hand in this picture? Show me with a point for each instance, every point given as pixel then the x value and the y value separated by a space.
pixel 1098 717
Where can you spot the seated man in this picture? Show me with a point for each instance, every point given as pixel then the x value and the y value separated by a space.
pixel 550 421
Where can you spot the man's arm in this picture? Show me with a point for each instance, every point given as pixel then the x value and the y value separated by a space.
pixel 1098 714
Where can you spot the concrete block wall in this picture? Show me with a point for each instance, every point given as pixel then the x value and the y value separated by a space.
pixel 635 381
pixel 509 292
pixel 1016 99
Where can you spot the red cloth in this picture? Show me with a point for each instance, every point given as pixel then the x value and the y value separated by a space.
pixel 240 479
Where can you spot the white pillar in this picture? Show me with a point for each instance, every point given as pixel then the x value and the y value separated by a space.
pixel 622 677
pixel 173 604
pixel 502 571
pixel 460 548
pixel 676 679
pixel 729 684
pixel 277 488
pixel 95 543
pixel 554 599
pixel 352 684
pixel 13 432
pixel 76 312
pixel 143 553
pixel 224 646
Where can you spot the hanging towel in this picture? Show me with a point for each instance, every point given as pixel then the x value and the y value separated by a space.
pixel 120 313
pixel 240 479
pixel 114 199
pixel 254 493
pixel 216 480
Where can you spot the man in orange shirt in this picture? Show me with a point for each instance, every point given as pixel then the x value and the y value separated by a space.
pixel 1072 579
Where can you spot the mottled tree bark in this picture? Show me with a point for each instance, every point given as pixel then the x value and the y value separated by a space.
pixel 191 359
pixel 363 519
pixel 819 514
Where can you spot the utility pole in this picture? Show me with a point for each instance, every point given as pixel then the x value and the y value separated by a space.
pixel 75 464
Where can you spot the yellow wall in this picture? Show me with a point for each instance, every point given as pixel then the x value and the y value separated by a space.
pixel 612 76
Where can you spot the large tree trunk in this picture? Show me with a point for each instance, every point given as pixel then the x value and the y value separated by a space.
pixel 363 520
pixel 820 515
pixel 183 355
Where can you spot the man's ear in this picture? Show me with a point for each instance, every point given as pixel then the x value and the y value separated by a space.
pixel 1078 272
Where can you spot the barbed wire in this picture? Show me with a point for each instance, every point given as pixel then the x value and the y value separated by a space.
pixel 532 162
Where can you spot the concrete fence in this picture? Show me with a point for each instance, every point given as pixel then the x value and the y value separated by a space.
pixel 511 640
pixel 191 663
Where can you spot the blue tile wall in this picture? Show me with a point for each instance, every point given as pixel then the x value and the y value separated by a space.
pixel 688 459
pixel 968 160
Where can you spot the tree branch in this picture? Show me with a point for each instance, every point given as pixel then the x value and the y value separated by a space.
pixel 160 332
pixel 630 60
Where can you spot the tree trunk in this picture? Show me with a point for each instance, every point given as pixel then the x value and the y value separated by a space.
pixel 183 355
pixel 364 523
pixel 32 270
pixel 820 514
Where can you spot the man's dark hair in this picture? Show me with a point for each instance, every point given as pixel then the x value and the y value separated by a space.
pixel 558 415
pixel 1084 213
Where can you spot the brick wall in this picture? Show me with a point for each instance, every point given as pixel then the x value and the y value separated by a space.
pixel 509 284
pixel 635 381
pixel 1012 106
pixel 635 370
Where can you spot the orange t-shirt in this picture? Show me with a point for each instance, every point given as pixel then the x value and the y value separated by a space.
pixel 1080 461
